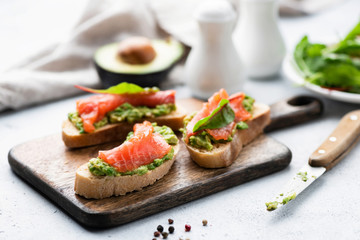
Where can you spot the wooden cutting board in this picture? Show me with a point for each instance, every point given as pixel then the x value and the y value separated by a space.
pixel 50 167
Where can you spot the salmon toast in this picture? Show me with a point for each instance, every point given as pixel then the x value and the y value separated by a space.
pixel 215 135
pixel 146 156
pixel 110 114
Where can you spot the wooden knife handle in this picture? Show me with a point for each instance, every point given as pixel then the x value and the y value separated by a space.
pixel 293 111
pixel 339 143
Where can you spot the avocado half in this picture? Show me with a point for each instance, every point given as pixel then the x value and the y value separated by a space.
pixel 112 70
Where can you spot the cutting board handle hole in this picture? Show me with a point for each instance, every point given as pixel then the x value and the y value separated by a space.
pixel 301 101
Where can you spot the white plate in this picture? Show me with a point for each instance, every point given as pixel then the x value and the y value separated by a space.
pixel 292 72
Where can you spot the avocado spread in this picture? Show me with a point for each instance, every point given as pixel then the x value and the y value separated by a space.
pixel 205 140
pixel 271 206
pixel 100 168
pixel 288 198
pixel 77 121
pixel 125 112
pixel 303 176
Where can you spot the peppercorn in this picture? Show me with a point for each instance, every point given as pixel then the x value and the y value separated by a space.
pixel 160 228
pixel 204 222
pixel 164 234
pixel 170 221
pixel 171 229
pixel 156 234
pixel 154 239
pixel 187 228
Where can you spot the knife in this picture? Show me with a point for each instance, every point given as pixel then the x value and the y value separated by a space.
pixel 330 152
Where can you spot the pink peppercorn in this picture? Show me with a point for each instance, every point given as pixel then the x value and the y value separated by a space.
pixel 187 228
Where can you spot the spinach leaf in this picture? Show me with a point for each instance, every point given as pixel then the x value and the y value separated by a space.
pixel 219 117
pixel 341 75
pixel 299 56
pixel 342 58
pixel 308 56
pixel 122 88
pixel 350 44
pixel 350 47
pixel 355 32
pixel 336 66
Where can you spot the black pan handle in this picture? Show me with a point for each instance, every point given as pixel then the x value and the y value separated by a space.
pixel 294 111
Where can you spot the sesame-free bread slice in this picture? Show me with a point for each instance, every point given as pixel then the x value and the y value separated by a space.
pixel 115 131
pixel 99 187
pixel 224 154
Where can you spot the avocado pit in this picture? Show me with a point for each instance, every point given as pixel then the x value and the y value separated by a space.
pixel 136 50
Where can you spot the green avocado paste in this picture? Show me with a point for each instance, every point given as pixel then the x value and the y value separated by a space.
pixel 100 168
pixel 303 176
pixel 124 113
pixel 204 140
pixel 271 206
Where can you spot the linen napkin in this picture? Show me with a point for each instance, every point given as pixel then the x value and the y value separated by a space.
pixel 52 73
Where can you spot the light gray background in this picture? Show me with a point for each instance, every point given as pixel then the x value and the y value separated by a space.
pixel 329 209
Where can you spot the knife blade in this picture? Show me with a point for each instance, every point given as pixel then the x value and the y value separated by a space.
pixel 326 156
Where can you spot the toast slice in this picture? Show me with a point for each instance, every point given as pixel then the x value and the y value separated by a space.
pixel 98 187
pixel 115 131
pixel 224 154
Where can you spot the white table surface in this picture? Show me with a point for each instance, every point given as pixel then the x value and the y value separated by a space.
pixel 329 209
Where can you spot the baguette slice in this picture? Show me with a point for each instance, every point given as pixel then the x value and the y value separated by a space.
pixel 116 131
pixel 224 154
pixel 98 187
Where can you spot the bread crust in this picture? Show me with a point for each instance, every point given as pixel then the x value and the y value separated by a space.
pixel 72 138
pixel 223 154
pixel 99 187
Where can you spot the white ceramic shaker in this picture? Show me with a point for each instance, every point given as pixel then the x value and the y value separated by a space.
pixel 258 39
pixel 213 62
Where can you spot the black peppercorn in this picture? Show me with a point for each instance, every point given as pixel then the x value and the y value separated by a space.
pixel 171 229
pixel 170 221
pixel 160 228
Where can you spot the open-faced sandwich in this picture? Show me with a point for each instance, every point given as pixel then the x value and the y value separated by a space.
pixel 110 114
pixel 146 156
pixel 215 135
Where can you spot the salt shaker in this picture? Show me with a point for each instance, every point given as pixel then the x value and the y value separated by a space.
pixel 258 39
pixel 213 62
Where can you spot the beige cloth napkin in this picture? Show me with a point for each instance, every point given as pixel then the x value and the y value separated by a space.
pixel 52 73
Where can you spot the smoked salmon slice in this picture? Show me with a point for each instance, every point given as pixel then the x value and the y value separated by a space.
pixel 141 149
pixel 236 104
pixel 235 101
pixel 94 108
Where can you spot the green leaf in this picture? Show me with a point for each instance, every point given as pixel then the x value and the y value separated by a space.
pixel 299 55
pixel 341 75
pixel 122 88
pixel 338 75
pixel 353 33
pixel 342 58
pixel 350 44
pixel 220 117
pixel 309 56
pixel 314 50
pixel 350 47
pixel 336 66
